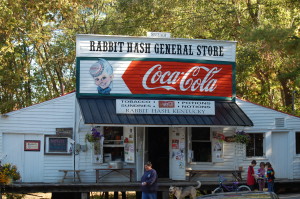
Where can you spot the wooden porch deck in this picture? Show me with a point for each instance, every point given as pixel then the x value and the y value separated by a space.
pixel 282 185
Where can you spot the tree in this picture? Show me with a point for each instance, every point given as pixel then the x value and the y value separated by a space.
pixel 274 46
pixel 37 43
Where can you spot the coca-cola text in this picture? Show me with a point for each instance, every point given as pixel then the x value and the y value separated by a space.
pixel 188 81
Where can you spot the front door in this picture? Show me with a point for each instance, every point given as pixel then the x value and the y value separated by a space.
pixel 29 163
pixel 158 149
pixel 280 155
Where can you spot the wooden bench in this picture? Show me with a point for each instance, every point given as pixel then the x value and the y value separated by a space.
pixel 98 176
pixel 76 176
pixel 237 174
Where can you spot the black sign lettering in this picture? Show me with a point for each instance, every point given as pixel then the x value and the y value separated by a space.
pixel 157 48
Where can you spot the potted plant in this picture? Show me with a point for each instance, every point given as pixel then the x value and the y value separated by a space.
pixel 9 173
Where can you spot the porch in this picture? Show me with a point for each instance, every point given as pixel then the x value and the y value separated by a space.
pixel 282 186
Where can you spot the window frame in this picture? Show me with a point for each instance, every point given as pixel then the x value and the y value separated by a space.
pixel 202 141
pixel 68 146
pixel 111 144
pixel 263 145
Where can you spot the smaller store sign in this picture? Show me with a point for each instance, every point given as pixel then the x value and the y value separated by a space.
pixel 64 132
pixel 32 145
pixel 174 107
pixel 159 34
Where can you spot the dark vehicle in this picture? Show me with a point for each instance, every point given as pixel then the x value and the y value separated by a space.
pixel 241 195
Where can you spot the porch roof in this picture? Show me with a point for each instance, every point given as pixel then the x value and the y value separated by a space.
pixel 102 111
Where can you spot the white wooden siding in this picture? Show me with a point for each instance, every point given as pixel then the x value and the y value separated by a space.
pixel 34 122
pixel 296 169
pixel 2 154
pixel 264 122
pixel 53 163
pixel 41 118
pixel 264 118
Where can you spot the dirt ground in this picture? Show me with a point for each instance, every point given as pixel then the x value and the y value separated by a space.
pixel 36 196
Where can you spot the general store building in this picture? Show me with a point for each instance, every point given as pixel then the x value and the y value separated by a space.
pixel 168 101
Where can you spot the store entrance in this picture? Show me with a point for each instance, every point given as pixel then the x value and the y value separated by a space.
pixel 158 150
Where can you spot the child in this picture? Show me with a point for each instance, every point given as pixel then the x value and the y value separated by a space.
pixel 251 175
pixel 102 72
pixel 270 177
pixel 261 176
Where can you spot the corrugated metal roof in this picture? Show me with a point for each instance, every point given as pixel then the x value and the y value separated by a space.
pixel 103 111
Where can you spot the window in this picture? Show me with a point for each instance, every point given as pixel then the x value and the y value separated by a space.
pixel 113 145
pixel 298 143
pixel 58 145
pixel 255 146
pixel 201 144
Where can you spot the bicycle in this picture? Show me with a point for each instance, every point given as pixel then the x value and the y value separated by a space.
pixel 234 187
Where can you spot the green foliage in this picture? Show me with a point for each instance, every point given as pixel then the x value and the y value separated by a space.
pixel 37 43
pixel 94 136
pixel 9 172
pixel 242 138
pixel 91 138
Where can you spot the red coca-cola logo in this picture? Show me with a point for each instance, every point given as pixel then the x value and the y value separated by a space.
pixel 177 78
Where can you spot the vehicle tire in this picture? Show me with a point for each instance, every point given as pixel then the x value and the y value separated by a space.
pixel 244 188
pixel 218 190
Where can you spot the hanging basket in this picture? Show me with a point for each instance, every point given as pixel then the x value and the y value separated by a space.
pixel 242 137
pixel 239 137
pixel 94 136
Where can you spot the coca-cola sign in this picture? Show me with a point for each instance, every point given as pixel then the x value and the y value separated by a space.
pixel 178 78
pixel 150 67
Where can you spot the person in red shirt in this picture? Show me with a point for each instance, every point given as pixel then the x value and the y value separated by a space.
pixel 251 175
